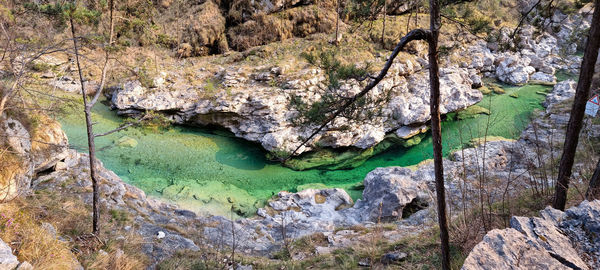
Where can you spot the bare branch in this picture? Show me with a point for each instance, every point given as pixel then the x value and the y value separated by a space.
pixel 122 127
pixel 524 17
pixel 106 60
pixel 417 34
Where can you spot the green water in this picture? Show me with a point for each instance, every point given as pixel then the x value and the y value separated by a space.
pixel 209 171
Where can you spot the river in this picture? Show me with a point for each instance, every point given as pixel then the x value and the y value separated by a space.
pixel 209 170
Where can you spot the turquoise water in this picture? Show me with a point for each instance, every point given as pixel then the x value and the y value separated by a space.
pixel 210 171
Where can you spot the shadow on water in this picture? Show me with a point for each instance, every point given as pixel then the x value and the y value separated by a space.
pixel 237 154
pixel 232 151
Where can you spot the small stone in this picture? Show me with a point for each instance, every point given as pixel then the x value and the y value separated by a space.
pixel 118 254
pixel 323 250
pixel 127 228
pixel 50 229
pixel 60 166
pixel 243 267
pixel 393 257
pixel 365 262
pixel 160 235
pixel 102 253
pixel 48 75
pixel 127 141
pixel 25 266
pixel 261 212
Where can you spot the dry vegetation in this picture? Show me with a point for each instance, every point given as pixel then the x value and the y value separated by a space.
pixel 24 226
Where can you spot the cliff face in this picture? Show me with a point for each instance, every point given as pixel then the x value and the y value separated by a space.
pixel 28 152
pixel 255 111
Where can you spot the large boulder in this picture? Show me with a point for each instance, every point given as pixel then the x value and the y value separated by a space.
pixel 556 240
pixel 514 69
pixel 543 78
pixel 509 249
pixel 560 92
pixel 389 192
pixel 16 162
pixel 7 259
pixel 49 144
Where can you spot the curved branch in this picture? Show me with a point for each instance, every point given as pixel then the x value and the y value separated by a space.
pixel 523 17
pixel 417 34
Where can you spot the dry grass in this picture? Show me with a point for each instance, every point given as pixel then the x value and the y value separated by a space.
pixel 30 241
pixel 116 260
pixel 295 22
pixel 71 218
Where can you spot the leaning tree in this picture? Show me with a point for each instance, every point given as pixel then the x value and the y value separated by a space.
pixel 431 36
pixel 586 75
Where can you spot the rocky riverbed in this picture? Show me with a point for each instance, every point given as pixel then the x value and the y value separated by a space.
pixel 402 196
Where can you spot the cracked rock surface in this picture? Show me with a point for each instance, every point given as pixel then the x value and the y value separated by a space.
pixel 556 240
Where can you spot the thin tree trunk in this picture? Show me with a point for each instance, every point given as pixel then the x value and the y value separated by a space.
pixel 436 130
pixel 90 135
pixel 337 22
pixel 593 191
pixel 88 118
pixel 577 111
pixel 384 18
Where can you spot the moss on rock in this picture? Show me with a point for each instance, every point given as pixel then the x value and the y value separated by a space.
pixel 472 111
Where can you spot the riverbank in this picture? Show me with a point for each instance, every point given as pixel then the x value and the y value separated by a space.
pixel 199 168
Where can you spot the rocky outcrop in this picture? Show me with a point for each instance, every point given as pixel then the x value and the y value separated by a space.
pixel 294 215
pixel 204 31
pixel 556 240
pixel 256 112
pixel 562 91
pixel 29 151
pixel 27 155
pixel 17 170
pixel 8 261
pixel 531 55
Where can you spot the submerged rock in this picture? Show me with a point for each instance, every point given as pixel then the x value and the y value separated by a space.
pixel 127 141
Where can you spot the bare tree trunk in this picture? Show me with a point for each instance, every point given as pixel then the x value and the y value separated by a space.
pixel 577 111
pixel 384 18
pixel 88 118
pixel 90 135
pixel 593 191
pixel 337 22
pixel 436 130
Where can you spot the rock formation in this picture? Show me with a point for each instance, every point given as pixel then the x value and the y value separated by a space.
pixel 555 240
